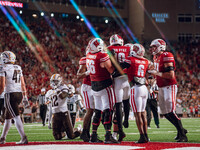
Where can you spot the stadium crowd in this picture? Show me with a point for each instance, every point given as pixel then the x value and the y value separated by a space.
pixel 65 56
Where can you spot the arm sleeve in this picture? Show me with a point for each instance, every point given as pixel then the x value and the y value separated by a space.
pixel 104 57
pixel 82 61
pixel 168 57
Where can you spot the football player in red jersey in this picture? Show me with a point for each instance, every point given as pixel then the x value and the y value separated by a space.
pixel 137 66
pixel 121 86
pixel 165 65
pixel 88 98
pixel 100 68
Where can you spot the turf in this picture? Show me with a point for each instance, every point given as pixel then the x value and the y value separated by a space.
pixel 166 132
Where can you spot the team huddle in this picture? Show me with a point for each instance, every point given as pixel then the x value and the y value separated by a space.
pixel 114 80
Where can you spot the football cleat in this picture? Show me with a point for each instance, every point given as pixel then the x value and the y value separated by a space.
pixel 2 140
pixel 114 135
pixel 142 139
pixel 183 139
pixel 84 136
pixel 121 136
pixel 95 139
pixel 178 136
pixel 24 140
pixel 109 139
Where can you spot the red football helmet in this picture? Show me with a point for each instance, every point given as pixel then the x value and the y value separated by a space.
pixel 137 50
pixel 116 39
pixel 96 45
pixel 156 46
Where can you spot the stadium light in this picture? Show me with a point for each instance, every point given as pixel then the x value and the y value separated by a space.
pixel 52 14
pixel 42 14
pixel 77 17
pixel 106 21
pixel 34 15
pixel 20 12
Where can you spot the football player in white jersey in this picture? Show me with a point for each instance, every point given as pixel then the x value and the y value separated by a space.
pixel 2 108
pixel 61 120
pixel 74 102
pixel 12 81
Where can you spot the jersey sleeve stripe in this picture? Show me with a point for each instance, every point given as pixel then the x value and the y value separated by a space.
pixel 127 61
pixel 104 59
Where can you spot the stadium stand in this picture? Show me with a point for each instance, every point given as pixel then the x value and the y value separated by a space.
pixel 65 57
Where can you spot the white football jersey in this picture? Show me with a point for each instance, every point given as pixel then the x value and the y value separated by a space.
pixel 58 104
pixel 12 74
pixel 72 103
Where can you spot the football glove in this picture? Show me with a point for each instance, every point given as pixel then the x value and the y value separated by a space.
pixel 25 101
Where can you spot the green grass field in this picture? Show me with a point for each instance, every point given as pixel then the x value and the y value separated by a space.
pixel 166 132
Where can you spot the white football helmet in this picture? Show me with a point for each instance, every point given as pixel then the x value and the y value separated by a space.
pixel 8 57
pixel 137 50
pixel 55 81
pixel 129 45
pixel 71 89
pixel 157 45
pixel 96 45
pixel 116 39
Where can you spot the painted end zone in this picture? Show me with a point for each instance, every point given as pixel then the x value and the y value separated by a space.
pixel 85 146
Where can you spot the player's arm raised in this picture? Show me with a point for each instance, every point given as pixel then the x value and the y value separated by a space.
pixel 82 72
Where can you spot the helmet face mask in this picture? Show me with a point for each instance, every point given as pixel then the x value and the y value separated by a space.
pixel 55 81
pixel 8 57
pixel 116 39
pixel 156 46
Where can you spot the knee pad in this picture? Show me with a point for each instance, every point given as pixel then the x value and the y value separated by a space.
pixel 97 117
pixel 107 116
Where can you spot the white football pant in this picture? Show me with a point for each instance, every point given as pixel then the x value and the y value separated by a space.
pixel 87 96
pixel 138 98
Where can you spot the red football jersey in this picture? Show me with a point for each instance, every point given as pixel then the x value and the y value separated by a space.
pixel 138 67
pixel 86 80
pixel 93 61
pixel 165 57
pixel 122 52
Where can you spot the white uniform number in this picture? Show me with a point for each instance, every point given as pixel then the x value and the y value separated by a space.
pixel 90 66
pixel 156 65
pixel 140 70
pixel 121 57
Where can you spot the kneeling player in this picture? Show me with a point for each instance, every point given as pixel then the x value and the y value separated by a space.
pixel 61 121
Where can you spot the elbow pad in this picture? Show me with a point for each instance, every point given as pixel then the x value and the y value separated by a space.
pixel 169 68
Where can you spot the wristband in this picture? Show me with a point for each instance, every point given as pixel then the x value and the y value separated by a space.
pixel 87 73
